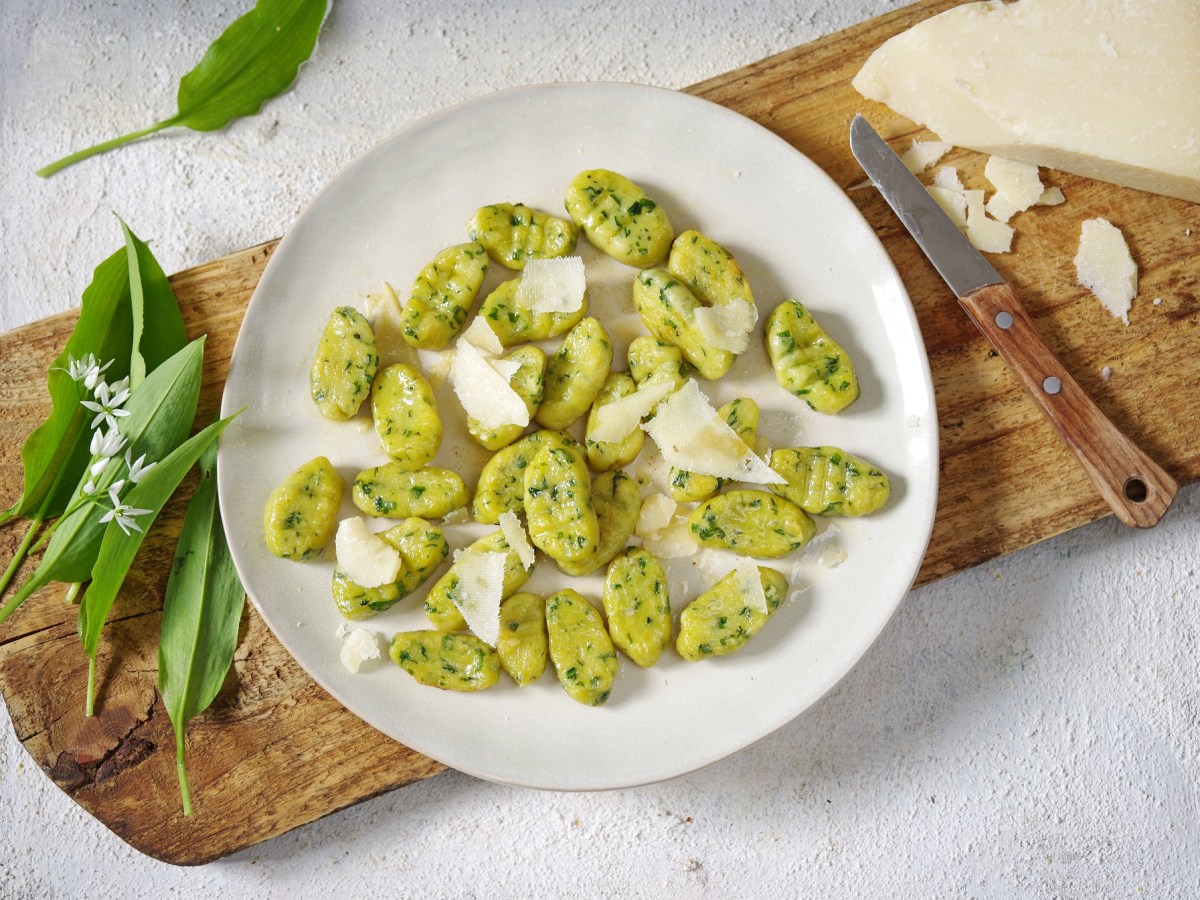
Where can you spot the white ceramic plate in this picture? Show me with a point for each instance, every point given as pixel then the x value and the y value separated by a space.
pixel 795 234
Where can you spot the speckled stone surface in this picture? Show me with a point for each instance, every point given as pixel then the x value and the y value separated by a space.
pixel 1026 729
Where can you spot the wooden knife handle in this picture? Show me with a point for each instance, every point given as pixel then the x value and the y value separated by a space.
pixel 1136 487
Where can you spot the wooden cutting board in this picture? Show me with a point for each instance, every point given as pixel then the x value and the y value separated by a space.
pixel 275 751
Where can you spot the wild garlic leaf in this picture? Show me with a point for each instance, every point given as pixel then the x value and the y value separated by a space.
pixel 201 613
pixel 255 58
pixel 118 547
pixel 161 412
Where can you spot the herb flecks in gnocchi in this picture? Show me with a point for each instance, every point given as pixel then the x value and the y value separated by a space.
pixel 523 642
pixel 406 416
pixel 618 218
pixel 422 548
pixel 652 360
pixel 575 374
pixel 617 501
pixel 558 505
pixel 513 234
pixel 709 270
pixel 668 309
pixel 807 361
pixel 301 513
pixel 501 486
pixel 345 364
pixel 515 323
pixel 637 605
pixel 721 620
pixel 442 296
pixel 397 492
pixel 584 657
pixel 829 481
pixel 453 662
pixel 752 523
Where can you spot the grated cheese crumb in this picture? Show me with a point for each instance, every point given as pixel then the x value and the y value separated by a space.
pixel 359 647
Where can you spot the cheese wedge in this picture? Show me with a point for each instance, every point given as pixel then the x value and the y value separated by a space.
pixel 1106 90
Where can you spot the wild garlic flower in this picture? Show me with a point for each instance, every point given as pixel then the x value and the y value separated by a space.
pixel 124 516
pixel 137 467
pixel 107 444
pixel 86 371
pixel 108 402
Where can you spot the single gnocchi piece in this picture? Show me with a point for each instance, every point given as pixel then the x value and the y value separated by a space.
pixel 618 218
pixel 807 361
pixel 501 486
pixel 441 659
pixel 528 383
pixel 575 374
pixel 617 501
pixel 406 416
pixel 301 513
pixel 742 415
pixel 668 309
pixel 515 323
pixel 582 652
pixel 442 296
pixel 652 360
pixel 441 603
pixel 637 605
pixel 422 548
pixel 604 456
pixel 522 645
pixel 558 505
pixel 720 620
pixel 752 523
pixel 709 270
pixel 829 481
pixel 513 234
pixel 345 365
pixel 397 492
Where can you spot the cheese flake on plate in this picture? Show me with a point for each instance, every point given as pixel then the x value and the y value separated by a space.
pixel 1105 267
pixel 480 590
pixel 1017 182
pixel 360 646
pixel 923 154
pixel 727 326
pixel 367 559
pixel 552 285
pixel 673 542
pixel 514 533
pixel 749 583
pixel 484 393
pixel 615 420
pixel 657 510
pixel 691 435
pixel 480 335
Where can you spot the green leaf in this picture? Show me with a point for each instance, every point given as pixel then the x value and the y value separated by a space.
pixel 255 58
pixel 118 549
pixel 201 612
pixel 160 415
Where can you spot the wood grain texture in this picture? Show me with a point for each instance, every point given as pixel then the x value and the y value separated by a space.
pixel 276 752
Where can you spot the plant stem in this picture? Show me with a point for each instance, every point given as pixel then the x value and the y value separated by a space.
pixel 72 592
pixel 19 556
pixel 184 791
pixel 91 687
pixel 104 147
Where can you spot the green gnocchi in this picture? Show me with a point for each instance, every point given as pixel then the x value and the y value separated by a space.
pixel 583 654
pixel 721 620
pixel 513 234
pixel 575 374
pixel 301 513
pixel 441 659
pixel 395 491
pixel 829 481
pixel 751 522
pixel 618 218
pixel 442 296
pixel 422 547
pixel 807 361
pixel 668 309
pixel 406 416
pixel 345 364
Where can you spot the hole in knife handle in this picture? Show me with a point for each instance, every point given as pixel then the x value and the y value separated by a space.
pixel 1136 490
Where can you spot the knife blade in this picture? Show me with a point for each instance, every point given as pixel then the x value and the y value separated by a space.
pixel 1135 487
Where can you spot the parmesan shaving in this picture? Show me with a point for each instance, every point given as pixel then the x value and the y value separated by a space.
pixel 1105 267
pixel 484 393
pixel 552 285
pixel 673 542
pixel 480 590
pixel 480 335
pixel 1017 182
pixel 999 208
pixel 657 510
pixel 366 559
pixel 952 202
pixel 514 533
pixel 691 436
pixel 985 233
pixel 947 177
pixel 923 154
pixel 728 326
pixel 749 584
pixel 1052 196
pixel 360 646
pixel 615 420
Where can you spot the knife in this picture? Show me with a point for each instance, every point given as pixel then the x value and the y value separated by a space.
pixel 1138 489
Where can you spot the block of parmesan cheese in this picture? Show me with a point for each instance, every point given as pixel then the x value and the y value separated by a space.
pixel 1107 90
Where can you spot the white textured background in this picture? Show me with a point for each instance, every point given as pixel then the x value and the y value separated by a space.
pixel 1029 728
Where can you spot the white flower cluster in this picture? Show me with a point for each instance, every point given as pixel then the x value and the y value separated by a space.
pixel 108 400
